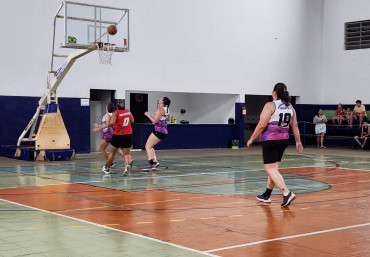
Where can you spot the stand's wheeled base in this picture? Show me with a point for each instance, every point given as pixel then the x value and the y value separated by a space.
pixel 30 154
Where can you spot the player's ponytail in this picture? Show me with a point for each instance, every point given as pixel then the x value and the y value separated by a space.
pixel 166 101
pixel 282 93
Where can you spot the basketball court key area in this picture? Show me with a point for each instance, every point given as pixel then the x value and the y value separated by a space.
pixel 199 203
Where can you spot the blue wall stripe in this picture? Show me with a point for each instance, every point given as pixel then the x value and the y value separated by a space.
pixel 17 111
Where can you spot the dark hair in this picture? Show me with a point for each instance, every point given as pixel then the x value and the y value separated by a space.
pixel 282 93
pixel 317 113
pixel 166 101
pixel 120 104
pixel 111 108
pixel 358 102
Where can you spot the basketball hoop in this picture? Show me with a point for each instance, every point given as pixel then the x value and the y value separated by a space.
pixel 105 51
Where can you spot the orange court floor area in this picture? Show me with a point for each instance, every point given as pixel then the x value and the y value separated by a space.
pixel 198 203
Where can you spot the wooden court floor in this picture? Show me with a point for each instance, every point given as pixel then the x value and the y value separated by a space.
pixel 200 203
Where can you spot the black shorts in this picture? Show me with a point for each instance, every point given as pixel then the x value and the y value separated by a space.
pixel 122 141
pixel 160 135
pixel 273 150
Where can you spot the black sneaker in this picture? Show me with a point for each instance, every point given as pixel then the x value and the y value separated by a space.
pixel 263 198
pixel 155 165
pixel 288 199
pixel 148 167
pixel 112 165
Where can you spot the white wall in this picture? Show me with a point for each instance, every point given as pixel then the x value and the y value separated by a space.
pixel 194 46
pixel 346 75
pixel 200 108
pixel 206 108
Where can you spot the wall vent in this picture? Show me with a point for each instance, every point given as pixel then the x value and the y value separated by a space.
pixel 357 35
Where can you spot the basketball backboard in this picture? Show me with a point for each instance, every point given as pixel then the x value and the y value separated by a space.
pixel 85 24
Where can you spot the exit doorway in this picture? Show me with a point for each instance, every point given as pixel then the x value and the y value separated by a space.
pixel 99 99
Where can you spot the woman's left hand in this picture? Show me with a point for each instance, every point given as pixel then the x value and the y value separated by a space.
pixel 299 147
pixel 249 143
pixel 96 127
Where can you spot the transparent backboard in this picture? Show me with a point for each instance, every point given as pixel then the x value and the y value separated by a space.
pixel 85 24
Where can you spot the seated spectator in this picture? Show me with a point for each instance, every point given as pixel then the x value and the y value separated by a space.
pixel 320 127
pixel 359 112
pixel 365 133
pixel 340 115
pixel 348 114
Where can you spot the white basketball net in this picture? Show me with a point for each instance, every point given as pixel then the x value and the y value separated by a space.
pixel 105 51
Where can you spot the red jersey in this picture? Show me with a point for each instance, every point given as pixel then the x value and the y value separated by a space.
pixel 123 123
pixel 341 112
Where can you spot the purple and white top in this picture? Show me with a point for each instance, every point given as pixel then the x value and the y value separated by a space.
pixel 278 126
pixel 107 132
pixel 161 125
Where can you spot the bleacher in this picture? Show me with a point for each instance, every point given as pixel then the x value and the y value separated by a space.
pixel 336 135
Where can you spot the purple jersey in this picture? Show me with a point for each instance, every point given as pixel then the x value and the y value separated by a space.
pixel 107 132
pixel 278 126
pixel 161 125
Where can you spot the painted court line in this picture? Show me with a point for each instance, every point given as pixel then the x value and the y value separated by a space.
pixel 287 237
pixel 117 230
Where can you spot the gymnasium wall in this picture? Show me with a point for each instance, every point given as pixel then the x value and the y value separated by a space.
pixel 208 46
pixel 346 75
pixel 207 54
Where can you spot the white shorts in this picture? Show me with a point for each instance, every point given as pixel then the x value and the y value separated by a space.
pixel 320 128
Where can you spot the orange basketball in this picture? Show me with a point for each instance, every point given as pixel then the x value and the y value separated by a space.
pixel 112 30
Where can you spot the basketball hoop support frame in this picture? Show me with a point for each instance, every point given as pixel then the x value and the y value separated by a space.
pixel 50 95
pixel 47 112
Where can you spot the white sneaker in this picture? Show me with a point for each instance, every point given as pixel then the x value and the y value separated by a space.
pixel 105 170
pixel 127 170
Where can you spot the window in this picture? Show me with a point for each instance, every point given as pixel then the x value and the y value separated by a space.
pixel 357 35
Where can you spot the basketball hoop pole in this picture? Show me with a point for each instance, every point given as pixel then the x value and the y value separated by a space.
pixel 55 20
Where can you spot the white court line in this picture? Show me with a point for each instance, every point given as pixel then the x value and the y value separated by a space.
pixel 287 237
pixel 117 230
